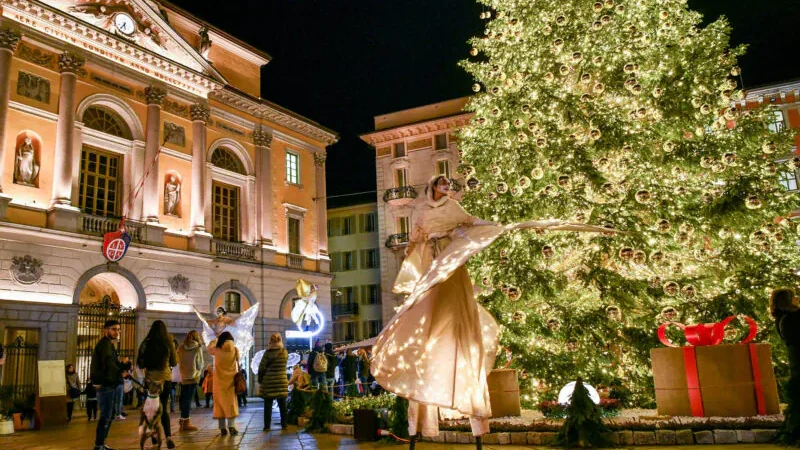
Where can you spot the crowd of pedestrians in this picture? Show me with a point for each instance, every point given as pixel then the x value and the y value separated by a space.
pixel 183 374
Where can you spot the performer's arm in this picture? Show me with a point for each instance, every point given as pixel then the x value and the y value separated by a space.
pixel 417 236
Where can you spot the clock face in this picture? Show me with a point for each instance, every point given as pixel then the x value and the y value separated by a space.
pixel 124 23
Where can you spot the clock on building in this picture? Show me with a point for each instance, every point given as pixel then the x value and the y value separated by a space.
pixel 124 24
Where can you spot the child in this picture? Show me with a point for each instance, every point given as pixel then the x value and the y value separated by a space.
pixel 91 401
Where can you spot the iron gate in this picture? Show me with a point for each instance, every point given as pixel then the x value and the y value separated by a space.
pixel 19 371
pixel 91 318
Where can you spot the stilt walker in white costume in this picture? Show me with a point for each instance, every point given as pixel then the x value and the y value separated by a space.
pixel 440 346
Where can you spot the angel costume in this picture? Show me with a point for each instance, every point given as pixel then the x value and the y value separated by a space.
pixel 240 328
pixel 439 347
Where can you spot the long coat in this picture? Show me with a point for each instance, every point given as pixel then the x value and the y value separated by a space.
pixel 226 404
pixel 272 381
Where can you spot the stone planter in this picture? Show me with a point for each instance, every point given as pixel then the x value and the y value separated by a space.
pixel 6 427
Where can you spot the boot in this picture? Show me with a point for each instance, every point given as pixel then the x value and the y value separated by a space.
pixel 412 441
pixel 180 424
pixel 187 425
pixel 478 443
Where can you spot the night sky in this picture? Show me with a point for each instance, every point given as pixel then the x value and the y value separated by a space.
pixel 341 62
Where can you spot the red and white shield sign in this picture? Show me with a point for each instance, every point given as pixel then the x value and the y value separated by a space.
pixel 115 250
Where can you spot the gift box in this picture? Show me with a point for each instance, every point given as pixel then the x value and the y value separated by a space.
pixel 715 380
pixel 504 392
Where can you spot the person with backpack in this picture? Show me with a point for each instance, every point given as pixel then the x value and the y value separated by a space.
pixel 318 367
pixel 333 361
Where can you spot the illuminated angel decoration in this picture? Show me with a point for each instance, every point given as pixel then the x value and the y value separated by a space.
pixel 440 346
pixel 241 328
pixel 305 310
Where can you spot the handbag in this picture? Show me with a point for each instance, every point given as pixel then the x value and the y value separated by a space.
pixel 239 383
pixel 74 392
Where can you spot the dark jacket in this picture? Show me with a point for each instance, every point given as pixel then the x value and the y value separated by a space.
pixel 272 381
pixel 105 369
pixel 349 368
pixel 90 391
pixel 157 370
pixel 333 361
pixel 363 367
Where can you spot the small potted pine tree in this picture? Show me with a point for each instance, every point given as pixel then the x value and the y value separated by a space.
pixel 583 426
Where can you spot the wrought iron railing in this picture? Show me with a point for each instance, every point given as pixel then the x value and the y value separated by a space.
pixel 234 250
pixel 397 240
pixel 99 225
pixel 344 309
pixel 400 193
pixel 294 261
pixel 91 318
pixel 20 369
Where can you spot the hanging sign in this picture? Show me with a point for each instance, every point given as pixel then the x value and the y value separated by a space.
pixel 115 244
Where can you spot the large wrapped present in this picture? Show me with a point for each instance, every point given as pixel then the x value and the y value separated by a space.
pixel 709 379
pixel 504 392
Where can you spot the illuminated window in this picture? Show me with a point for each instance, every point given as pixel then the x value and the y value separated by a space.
pixel 443 168
pixel 225 212
pixel 100 184
pixel 777 123
pixel 403 225
pixel 788 180
pixel 106 120
pixel 400 177
pixel 292 168
pixel 233 302
pixel 226 159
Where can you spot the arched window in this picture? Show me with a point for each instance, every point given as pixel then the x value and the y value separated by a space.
pixel 106 120
pixel 226 159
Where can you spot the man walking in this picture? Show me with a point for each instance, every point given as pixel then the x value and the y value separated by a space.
pixel 107 377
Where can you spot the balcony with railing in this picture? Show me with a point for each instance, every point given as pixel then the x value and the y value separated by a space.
pixel 400 196
pixel 344 309
pixel 234 250
pixel 99 225
pixel 397 241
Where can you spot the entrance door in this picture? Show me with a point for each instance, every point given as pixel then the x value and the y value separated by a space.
pixel 91 317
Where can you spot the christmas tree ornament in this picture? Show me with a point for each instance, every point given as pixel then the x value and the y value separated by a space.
pixel 564 181
pixel 639 257
pixel 643 196
pixel 597 7
pixel 495 170
pixel 655 282
pixel 548 251
pixel 689 291
pixel 524 182
pixel 686 228
pixel 476 87
pixel 663 226
pixel 626 253
pixel 514 293
pixel 473 51
pixel 515 191
pixel 520 317
pixel 753 202
pixel 669 313
pixel 671 288
pixel 502 187
pixel 613 313
pixel 473 184
pixel 553 324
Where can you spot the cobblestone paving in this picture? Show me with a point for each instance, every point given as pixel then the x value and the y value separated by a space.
pixel 124 435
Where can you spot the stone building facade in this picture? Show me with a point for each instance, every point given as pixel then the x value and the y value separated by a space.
pixel 411 146
pixel 139 110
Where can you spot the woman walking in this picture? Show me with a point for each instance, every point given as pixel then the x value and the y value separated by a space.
pixel 272 379
pixel 363 370
pixel 190 364
pixel 226 365
pixel 783 307
pixel 73 390
pixel 156 356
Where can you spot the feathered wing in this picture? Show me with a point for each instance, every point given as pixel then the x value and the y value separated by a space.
pixel 242 329
pixel 208 332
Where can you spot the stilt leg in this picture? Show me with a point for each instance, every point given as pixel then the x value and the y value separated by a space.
pixel 478 443
pixel 412 441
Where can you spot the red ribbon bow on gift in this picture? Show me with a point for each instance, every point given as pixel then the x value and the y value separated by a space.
pixel 706 333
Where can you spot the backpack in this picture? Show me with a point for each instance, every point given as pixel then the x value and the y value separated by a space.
pixel 320 362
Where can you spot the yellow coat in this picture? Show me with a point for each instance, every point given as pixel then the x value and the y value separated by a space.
pixel 226 404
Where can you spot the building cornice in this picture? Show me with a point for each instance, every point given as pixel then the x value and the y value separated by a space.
pixel 49 21
pixel 773 90
pixel 416 129
pixel 268 111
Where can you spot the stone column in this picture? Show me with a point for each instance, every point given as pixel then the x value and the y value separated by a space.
pixel 63 215
pixel 68 64
pixel 324 262
pixel 8 44
pixel 154 232
pixel 262 139
pixel 155 97
pixel 200 239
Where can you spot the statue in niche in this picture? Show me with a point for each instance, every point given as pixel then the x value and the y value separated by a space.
pixel 205 41
pixel 25 168
pixel 172 195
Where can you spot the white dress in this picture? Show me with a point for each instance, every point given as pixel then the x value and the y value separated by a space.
pixel 440 346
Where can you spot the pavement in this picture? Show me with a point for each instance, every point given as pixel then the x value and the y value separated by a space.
pixel 79 434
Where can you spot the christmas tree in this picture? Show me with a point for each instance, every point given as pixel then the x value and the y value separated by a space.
pixel 627 114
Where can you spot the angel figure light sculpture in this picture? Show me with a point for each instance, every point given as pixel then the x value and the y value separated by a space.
pixel 241 328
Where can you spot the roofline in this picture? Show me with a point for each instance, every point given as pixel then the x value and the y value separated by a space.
pixel 364 137
pixel 423 106
pixel 217 30
pixel 356 205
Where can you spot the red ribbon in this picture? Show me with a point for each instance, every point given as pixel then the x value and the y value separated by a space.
pixel 761 404
pixel 693 381
pixel 706 333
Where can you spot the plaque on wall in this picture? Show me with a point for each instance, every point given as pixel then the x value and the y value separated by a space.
pixel 174 134
pixel 52 378
pixel 32 86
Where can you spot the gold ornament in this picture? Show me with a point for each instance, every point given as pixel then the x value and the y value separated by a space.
pixel 752 202
pixel 655 282
pixel 537 173
pixel 520 317
pixel 553 324
pixel 516 191
pixel 486 281
pixel 736 71
pixel 613 313
pixel 657 257
pixel 473 184
pixel 626 253
pixel 514 293
pixel 643 196
pixel 597 7
pixel 639 257
pixel 669 313
pixel 473 51
pixel 502 187
pixel 524 182
pixel 561 20
pixel 668 146
pixel 548 251
pixel 476 87
pixel 564 181
pixel 671 288
pixel 663 226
